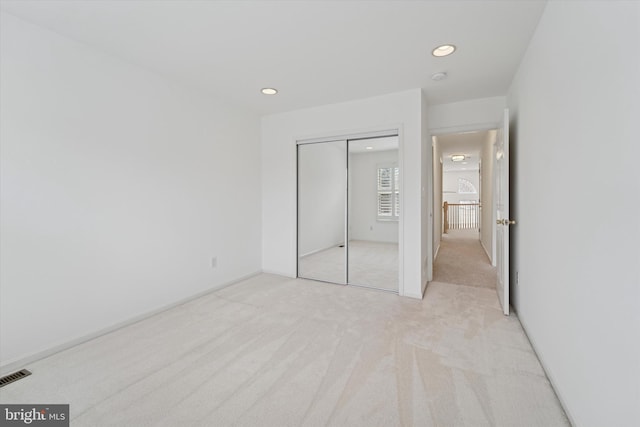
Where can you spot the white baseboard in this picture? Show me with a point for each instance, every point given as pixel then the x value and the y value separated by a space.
pixel 435 254
pixel 279 273
pixel 315 251
pixel 486 252
pixel 412 295
pixel 21 362
pixel 549 374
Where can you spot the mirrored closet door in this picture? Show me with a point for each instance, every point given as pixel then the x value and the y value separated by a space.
pixel 322 211
pixel 374 212
pixel 349 212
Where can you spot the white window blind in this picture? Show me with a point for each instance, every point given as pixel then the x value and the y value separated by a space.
pixel 388 192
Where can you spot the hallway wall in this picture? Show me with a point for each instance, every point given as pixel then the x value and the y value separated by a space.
pixel 438 227
pixel 487 221
pixel 575 103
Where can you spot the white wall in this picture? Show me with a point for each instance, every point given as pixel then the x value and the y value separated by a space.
pixel 437 196
pixel 575 105
pixel 117 190
pixel 322 196
pixel 450 186
pixel 473 114
pixel 364 223
pixel 487 213
pixel 279 134
pixel 426 194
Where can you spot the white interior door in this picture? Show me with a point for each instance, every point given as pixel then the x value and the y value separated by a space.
pixel 502 211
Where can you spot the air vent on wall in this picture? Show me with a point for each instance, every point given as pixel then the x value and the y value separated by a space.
pixel 8 379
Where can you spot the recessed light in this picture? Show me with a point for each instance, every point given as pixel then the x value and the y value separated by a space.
pixel 457 157
pixel 444 50
pixel 368 148
pixel 268 91
pixel 464 163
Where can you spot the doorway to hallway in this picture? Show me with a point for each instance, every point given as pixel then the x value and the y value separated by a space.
pixel 463 182
pixel 489 150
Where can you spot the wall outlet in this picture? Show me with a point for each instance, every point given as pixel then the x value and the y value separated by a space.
pixel 214 262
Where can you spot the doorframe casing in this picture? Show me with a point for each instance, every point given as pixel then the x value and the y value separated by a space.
pixel 480 127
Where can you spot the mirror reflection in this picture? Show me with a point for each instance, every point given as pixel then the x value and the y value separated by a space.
pixel 349 212
pixel 322 204
pixel 374 212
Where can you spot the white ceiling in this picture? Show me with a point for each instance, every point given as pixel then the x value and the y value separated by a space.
pixel 314 52
pixel 467 143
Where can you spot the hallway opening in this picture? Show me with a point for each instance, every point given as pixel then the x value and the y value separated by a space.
pixel 464 230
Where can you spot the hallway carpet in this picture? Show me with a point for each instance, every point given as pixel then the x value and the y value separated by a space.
pixel 462 260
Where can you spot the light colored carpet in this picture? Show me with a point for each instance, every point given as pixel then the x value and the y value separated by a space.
pixel 329 265
pixel 272 351
pixel 373 264
pixel 462 260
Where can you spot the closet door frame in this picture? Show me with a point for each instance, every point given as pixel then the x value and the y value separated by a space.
pixel 394 131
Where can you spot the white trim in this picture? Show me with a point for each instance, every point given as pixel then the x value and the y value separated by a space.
pixel 486 252
pixel 295 208
pixel 315 251
pixel 435 254
pixel 403 210
pixel 494 230
pixel 362 134
pixel 415 296
pixel 23 361
pixel 278 273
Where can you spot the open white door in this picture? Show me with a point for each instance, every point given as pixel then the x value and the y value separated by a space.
pixel 501 152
